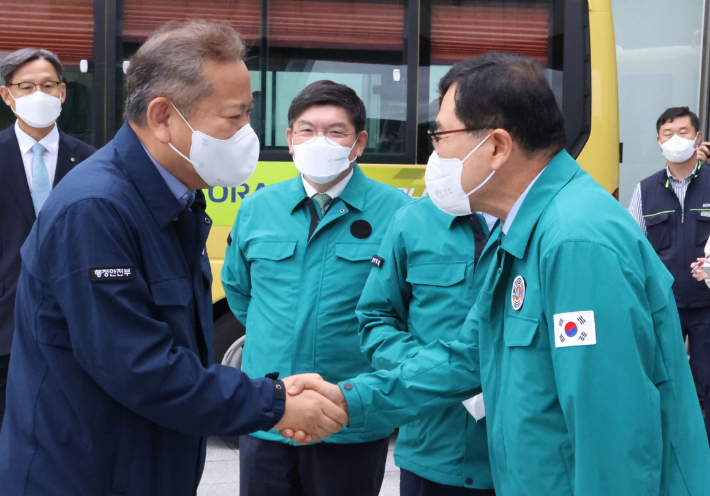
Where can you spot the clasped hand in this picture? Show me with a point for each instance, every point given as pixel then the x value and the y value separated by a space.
pixel 315 409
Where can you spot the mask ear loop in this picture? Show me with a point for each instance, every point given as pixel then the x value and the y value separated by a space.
pixel 351 149
pixel 176 110
pixel 194 164
pixel 489 176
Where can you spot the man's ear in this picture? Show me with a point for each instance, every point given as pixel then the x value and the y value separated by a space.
pixel 361 143
pixel 5 93
pixel 158 116
pixel 502 147
pixel 63 91
pixel 289 135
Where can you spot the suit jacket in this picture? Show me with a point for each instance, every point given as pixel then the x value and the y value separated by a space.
pixel 17 216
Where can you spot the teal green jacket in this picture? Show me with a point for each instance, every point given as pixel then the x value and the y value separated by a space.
pixel 618 417
pixel 423 293
pixel 297 297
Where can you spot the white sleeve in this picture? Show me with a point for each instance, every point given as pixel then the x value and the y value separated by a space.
pixel 635 208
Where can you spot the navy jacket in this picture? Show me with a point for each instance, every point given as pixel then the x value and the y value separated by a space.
pixel 17 216
pixel 111 389
pixel 679 235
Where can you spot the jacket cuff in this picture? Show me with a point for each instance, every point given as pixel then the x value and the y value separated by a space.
pixel 356 413
pixel 278 404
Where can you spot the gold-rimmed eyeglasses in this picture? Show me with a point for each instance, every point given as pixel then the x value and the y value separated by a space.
pixel 28 87
pixel 435 136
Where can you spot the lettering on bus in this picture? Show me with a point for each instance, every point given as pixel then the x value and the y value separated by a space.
pixel 221 194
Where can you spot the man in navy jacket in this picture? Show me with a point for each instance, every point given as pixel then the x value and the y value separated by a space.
pixel 34 156
pixel 111 388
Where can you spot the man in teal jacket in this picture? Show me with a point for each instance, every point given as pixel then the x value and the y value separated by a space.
pixel 297 260
pixel 423 293
pixel 574 338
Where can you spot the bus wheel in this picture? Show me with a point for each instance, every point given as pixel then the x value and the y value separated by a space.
pixel 227 329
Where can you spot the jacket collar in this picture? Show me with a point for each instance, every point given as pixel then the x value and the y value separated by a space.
pixel 555 176
pixel 353 194
pixel 162 204
pixel 65 158
pixel 665 179
pixel 15 180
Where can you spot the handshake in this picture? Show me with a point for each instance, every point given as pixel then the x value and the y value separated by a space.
pixel 315 409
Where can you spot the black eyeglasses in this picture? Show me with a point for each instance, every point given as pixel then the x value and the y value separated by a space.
pixel 435 137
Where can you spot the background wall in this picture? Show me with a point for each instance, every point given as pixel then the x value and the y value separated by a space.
pixel 658 58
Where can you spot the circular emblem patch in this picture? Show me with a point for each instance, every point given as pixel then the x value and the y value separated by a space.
pixel 517 296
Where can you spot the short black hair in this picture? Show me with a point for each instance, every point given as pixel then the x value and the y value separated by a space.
pixel 17 59
pixel 506 91
pixel 329 93
pixel 673 113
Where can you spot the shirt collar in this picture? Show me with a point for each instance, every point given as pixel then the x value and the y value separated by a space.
pixel 132 158
pixel 49 142
pixel 333 192
pixel 549 182
pixel 182 193
pixel 353 194
pixel 686 178
pixel 516 206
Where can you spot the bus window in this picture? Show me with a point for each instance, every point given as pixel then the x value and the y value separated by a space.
pixel 461 29
pixel 67 29
pixel 313 40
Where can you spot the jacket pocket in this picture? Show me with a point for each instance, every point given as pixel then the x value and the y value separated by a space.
pixel 702 226
pixel 356 252
pixel 442 274
pixel 271 250
pixel 658 230
pixel 519 331
pixel 171 292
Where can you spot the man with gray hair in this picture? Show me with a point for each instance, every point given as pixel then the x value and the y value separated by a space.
pixel 112 389
pixel 34 156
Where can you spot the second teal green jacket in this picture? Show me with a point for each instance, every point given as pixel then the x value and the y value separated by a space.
pixel 423 293
pixel 297 296
pixel 616 414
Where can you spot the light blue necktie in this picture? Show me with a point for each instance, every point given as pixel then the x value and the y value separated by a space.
pixel 40 177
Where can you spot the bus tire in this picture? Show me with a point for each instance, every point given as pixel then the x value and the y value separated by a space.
pixel 227 329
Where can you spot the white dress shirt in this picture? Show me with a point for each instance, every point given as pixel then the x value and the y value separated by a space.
pixel 333 192
pixel 50 143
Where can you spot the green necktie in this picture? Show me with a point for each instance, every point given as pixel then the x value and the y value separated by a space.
pixel 323 201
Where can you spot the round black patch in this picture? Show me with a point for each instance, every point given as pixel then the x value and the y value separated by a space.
pixel 361 229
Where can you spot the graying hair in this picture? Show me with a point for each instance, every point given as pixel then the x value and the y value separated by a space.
pixel 170 64
pixel 15 60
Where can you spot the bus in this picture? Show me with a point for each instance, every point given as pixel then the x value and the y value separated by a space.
pixel 391 52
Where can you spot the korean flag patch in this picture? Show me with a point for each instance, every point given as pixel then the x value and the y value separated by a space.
pixel 575 329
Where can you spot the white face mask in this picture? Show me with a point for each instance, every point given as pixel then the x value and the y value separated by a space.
pixel 678 149
pixel 229 162
pixel 38 109
pixel 320 159
pixel 443 183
